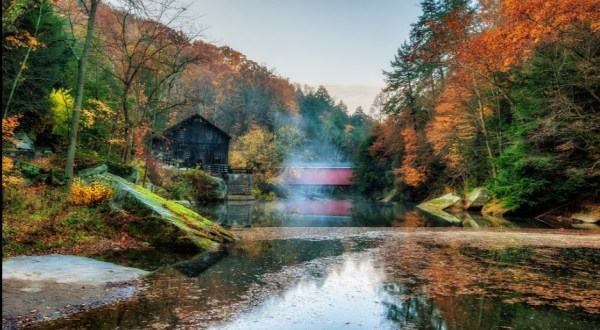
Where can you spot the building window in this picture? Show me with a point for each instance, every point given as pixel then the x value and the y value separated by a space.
pixel 181 135
pixel 209 135
pixel 186 155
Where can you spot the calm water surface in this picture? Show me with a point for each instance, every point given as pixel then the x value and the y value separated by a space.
pixel 359 278
pixel 344 213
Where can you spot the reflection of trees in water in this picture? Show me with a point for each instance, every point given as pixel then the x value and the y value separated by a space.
pixel 266 215
pixel 368 214
pixel 473 312
pixel 434 280
pixel 486 282
pixel 410 311
pixel 362 214
pixel 174 299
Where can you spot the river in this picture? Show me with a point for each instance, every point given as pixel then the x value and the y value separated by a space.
pixel 344 265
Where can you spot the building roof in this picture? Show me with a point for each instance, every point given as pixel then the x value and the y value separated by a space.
pixel 185 120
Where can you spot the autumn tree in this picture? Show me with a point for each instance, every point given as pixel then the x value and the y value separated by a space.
pixel 496 93
pixel 148 50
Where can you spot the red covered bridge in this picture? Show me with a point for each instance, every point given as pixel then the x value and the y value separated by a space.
pixel 317 174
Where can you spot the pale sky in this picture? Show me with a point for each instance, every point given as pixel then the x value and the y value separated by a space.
pixel 341 44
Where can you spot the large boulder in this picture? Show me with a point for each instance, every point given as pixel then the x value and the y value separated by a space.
pixel 166 223
pixel 585 218
pixel 477 198
pixel 92 171
pixel 443 202
pixel 585 221
pixel 437 207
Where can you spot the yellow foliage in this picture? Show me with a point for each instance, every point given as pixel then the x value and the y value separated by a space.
pixel 101 112
pixel 61 106
pixel 7 179
pixel 494 208
pixel 257 150
pixel 89 194
pixel 237 159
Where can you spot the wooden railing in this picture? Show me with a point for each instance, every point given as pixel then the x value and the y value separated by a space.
pixel 240 171
pixel 224 169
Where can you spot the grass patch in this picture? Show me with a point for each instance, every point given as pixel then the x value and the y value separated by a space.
pixel 39 220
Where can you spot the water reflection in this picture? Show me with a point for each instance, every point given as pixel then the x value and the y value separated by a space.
pixel 343 213
pixel 359 282
pixel 347 297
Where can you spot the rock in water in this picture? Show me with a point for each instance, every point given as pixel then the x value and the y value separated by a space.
pixel 92 171
pixel 585 218
pixel 437 206
pixel 477 198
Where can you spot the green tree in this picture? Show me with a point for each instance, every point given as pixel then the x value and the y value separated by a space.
pixel 370 176
pixel 33 63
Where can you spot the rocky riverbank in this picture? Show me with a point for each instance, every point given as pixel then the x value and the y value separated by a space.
pixel 41 288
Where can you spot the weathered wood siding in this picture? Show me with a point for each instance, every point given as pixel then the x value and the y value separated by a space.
pixel 194 141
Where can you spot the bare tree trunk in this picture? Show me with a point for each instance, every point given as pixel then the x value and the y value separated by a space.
pixel 484 130
pixel 81 64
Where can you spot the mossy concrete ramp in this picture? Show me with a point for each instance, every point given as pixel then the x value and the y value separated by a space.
pixel 165 223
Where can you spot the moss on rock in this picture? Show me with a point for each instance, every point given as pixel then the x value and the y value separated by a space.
pixel 166 222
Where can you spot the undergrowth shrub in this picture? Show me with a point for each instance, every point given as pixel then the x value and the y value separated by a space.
pixel 89 194
pixel 194 185
pixel 9 177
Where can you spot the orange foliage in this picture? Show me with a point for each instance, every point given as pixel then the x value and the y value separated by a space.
pixel 453 123
pixel 8 131
pixel 138 140
pixel 9 125
pixel 516 27
pixel 413 171
pixel 89 194
pixel 388 141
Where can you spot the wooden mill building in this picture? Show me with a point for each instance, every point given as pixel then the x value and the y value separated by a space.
pixel 194 141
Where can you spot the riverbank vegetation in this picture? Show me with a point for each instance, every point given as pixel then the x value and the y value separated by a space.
pixel 501 94
pixel 101 79
pixel 148 68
